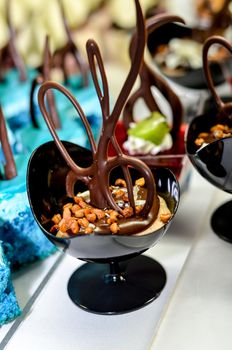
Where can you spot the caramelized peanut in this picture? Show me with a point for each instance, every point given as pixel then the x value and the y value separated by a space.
pixel 114 228
pixel 91 217
pixel 89 230
pixel 100 213
pixel 66 213
pixel 83 222
pixel 127 212
pixel 120 182
pixel 79 213
pixel 140 182
pixel 56 219
pixel 165 217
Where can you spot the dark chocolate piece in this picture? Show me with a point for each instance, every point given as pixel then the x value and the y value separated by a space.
pixel 225 109
pixel 149 78
pixel 12 49
pixel 50 96
pixel 96 176
pixel 9 166
pixel 71 48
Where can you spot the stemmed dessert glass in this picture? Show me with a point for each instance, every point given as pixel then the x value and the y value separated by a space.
pixel 116 277
pixel 111 281
pixel 213 160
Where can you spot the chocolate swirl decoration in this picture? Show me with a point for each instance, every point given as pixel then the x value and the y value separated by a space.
pixel 45 76
pixel 71 48
pixel 11 47
pixel 96 176
pixel 9 166
pixel 224 109
pixel 149 78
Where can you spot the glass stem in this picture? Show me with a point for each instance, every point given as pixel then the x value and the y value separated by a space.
pixel 115 274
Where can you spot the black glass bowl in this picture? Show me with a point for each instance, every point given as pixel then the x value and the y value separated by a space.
pixel 191 78
pixel 130 283
pixel 214 163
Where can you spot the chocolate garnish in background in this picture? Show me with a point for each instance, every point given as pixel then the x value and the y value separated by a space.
pixel 224 108
pixel 11 49
pixel 9 166
pixel 45 76
pixel 96 176
pixel 71 48
pixel 220 20
pixel 149 78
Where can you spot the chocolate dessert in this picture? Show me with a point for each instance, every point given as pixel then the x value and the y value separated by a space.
pixel 153 138
pixel 177 49
pixel 96 175
pixel 215 124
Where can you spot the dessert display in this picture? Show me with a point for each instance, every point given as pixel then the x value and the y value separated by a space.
pixel 208 144
pixel 177 50
pixel 9 308
pixel 75 202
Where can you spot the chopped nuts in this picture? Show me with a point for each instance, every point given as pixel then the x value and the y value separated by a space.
pixel 165 217
pixel 56 218
pixel 140 182
pixel 79 217
pixel 120 182
pixel 66 213
pixel 83 222
pixel 127 212
pixel 216 132
pixel 114 228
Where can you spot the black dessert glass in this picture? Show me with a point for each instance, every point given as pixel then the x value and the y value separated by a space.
pixel 116 278
pixel 189 78
pixel 213 161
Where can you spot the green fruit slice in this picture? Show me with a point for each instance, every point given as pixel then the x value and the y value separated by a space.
pixel 153 129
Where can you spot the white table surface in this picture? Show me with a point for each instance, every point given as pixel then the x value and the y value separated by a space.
pixel 176 317
pixel 199 315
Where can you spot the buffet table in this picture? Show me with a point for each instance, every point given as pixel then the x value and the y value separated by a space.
pixel 193 311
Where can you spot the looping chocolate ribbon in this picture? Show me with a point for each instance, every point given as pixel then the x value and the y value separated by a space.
pixel 9 166
pixel 225 109
pixel 96 176
pixel 11 46
pixel 71 48
pixel 149 78
pixel 45 76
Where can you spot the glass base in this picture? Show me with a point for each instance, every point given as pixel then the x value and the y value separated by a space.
pixel 221 221
pixel 128 286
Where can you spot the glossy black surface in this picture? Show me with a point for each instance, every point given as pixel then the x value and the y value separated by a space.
pixel 108 283
pixel 221 221
pixel 138 283
pixel 46 191
pixel 214 161
pixel 193 78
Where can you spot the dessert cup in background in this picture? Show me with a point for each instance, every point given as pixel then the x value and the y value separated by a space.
pixel 152 127
pixel 188 81
pixel 209 142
